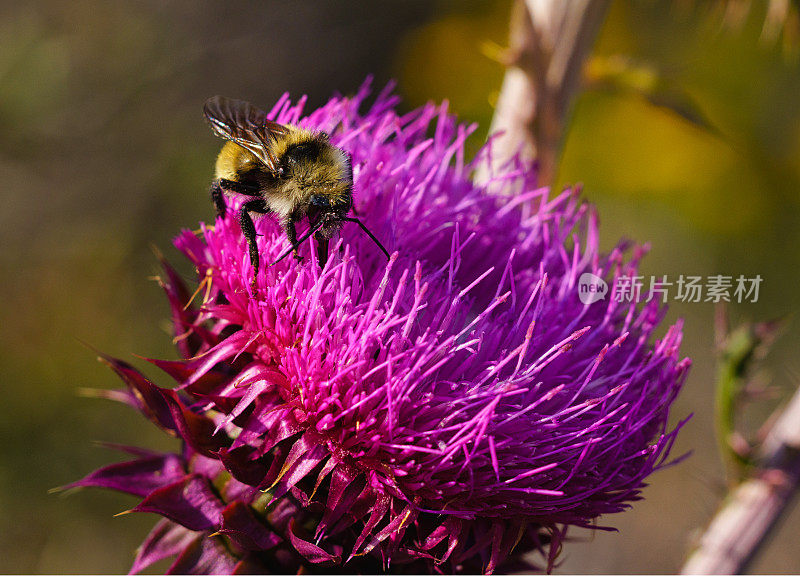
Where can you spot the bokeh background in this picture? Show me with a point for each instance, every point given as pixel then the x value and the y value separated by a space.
pixel 103 153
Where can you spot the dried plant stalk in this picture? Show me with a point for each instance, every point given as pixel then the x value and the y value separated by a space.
pixel 548 42
pixel 753 508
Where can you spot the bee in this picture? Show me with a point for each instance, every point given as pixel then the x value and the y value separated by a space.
pixel 286 170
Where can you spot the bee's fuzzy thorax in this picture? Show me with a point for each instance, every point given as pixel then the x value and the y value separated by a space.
pixel 293 137
pixel 328 173
pixel 330 166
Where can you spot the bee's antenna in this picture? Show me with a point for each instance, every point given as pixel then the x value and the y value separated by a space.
pixel 365 229
pixel 294 246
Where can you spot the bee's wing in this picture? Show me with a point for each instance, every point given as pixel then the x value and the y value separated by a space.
pixel 246 125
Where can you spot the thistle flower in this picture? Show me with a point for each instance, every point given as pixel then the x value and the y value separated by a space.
pixel 449 410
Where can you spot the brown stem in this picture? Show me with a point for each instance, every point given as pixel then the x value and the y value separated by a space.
pixel 548 42
pixel 752 509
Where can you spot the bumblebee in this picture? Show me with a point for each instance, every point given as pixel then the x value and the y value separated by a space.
pixel 289 171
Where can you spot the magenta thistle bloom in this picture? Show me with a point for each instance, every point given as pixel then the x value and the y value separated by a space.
pixel 447 411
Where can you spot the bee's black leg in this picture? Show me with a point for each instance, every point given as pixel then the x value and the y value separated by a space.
pixel 222 185
pixel 216 196
pixel 291 234
pixel 322 249
pixel 258 206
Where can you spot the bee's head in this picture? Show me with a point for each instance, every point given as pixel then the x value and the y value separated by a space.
pixel 329 210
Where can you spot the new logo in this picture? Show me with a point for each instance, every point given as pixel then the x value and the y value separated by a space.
pixel 591 288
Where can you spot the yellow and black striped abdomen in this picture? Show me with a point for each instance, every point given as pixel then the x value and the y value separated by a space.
pixel 234 161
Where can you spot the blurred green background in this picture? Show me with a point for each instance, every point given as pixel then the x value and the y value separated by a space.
pixel 103 152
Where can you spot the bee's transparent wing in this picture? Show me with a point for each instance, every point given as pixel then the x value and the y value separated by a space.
pixel 246 125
